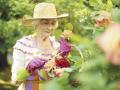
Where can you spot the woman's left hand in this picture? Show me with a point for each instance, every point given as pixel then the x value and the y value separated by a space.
pixel 49 65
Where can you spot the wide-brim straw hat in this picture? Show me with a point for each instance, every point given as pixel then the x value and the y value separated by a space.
pixel 42 11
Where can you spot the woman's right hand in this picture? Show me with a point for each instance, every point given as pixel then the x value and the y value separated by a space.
pixel 36 62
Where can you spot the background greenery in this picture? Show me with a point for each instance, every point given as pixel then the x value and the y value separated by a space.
pixel 90 69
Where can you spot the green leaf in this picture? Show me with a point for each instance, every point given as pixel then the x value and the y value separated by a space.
pixel 22 74
pixel 68 26
pixel 116 15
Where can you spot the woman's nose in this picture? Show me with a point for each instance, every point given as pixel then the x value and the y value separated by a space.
pixel 50 26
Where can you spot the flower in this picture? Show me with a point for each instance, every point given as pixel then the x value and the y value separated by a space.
pixel 110 39
pixel 65 47
pixel 58 72
pixel 103 19
pixel 66 34
pixel 114 58
pixel 109 42
pixel 101 22
pixel 62 62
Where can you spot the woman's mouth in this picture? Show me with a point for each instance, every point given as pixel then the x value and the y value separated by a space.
pixel 47 31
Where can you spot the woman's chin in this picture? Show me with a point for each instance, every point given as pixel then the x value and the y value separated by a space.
pixel 46 35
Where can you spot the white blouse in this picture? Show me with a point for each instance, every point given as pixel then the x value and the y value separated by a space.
pixel 23 51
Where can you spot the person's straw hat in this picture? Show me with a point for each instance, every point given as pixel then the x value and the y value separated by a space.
pixel 43 11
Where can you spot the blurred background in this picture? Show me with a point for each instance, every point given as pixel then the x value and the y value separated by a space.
pixel 86 56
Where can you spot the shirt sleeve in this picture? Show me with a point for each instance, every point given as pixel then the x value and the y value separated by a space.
pixel 18 61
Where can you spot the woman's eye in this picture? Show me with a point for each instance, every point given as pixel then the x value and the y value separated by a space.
pixel 43 22
pixel 53 23
pixel 46 23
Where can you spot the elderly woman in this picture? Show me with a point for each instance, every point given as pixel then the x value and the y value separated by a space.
pixel 37 51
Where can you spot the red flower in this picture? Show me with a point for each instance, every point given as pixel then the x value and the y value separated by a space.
pixel 62 62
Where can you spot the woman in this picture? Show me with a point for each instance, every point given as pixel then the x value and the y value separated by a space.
pixel 37 51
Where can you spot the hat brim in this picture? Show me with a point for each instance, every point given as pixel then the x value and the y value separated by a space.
pixel 27 20
pixel 60 16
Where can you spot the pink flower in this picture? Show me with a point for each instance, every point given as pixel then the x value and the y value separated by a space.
pixel 109 42
pixel 114 58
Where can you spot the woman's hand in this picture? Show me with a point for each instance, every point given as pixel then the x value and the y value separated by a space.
pixel 49 65
pixel 36 62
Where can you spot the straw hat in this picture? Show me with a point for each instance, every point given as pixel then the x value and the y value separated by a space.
pixel 42 11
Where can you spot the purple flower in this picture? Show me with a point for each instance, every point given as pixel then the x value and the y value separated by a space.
pixel 65 47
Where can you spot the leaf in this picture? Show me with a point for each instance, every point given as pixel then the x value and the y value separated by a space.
pixel 116 15
pixel 68 26
pixel 22 74
pixel 109 5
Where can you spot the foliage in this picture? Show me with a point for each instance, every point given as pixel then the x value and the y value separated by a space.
pixel 11 28
pixel 115 15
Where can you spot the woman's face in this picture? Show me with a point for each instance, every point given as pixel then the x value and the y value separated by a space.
pixel 46 26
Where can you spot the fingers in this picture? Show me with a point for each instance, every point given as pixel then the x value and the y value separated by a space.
pixel 49 65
